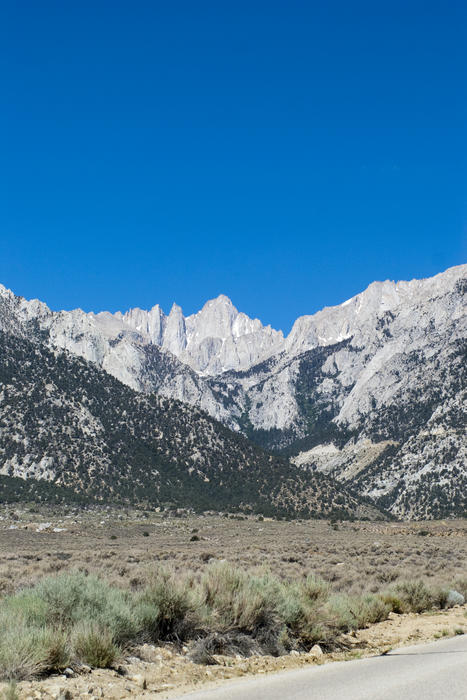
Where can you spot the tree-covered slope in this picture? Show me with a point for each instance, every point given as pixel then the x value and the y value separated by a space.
pixel 67 423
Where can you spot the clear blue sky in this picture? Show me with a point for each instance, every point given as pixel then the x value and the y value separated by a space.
pixel 283 153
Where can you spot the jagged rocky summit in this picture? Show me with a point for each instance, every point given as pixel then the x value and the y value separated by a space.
pixel 371 392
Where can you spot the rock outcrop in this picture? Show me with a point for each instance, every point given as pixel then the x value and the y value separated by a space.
pixel 386 367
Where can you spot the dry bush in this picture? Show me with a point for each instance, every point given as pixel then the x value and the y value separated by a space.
pixel 234 600
pixel 93 644
pixel 415 596
pixel 27 651
pixel 205 649
pixel 219 604
pixel 63 600
pixel 167 607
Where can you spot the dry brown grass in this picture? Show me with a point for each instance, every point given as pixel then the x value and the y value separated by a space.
pixel 357 557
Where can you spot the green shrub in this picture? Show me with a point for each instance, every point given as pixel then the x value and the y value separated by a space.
pixel 369 609
pixel 315 589
pixel 74 616
pixel 394 602
pixel 27 651
pixel 61 613
pixel 415 596
pixel 94 644
pixel 275 613
pixel 300 606
pixel 440 598
pixel 251 608
pixel 235 600
pixel 55 649
pixel 461 586
pixel 61 601
pixel 166 609
pixel 339 613
pixel 351 613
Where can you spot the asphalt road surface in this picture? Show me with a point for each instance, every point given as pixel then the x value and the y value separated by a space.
pixel 435 671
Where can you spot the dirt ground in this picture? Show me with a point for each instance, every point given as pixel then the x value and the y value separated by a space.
pixel 124 546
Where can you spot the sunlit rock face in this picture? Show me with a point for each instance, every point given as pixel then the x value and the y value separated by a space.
pixel 387 366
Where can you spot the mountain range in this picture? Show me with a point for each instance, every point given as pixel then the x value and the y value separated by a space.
pixel 369 395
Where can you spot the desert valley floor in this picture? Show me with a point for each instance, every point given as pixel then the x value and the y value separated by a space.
pixel 125 547
pixel 350 555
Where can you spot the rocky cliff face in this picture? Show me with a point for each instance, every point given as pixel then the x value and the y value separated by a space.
pixel 374 393
pixel 381 376
pixel 216 339
pixel 369 350
pixel 148 350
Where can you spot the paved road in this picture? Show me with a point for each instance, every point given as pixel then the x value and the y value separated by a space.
pixel 436 671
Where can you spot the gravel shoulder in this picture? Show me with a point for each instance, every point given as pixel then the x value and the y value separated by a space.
pixel 421 672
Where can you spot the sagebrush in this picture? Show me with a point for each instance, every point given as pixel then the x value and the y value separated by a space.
pixel 74 618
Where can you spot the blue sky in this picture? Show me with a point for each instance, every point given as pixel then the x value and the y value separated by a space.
pixel 283 153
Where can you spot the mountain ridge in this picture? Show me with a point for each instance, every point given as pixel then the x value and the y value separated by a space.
pixel 152 323
pixel 386 366
pixel 66 423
